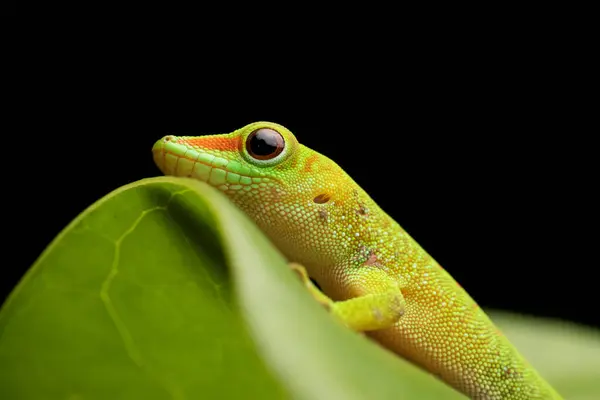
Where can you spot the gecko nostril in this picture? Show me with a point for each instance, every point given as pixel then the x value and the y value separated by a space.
pixel 170 138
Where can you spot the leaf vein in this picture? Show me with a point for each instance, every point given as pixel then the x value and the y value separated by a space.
pixel 126 337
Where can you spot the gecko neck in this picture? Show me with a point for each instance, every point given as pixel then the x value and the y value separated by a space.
pixel 349 230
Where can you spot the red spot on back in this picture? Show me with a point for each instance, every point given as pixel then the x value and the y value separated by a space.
pixel 372 260
pixel 222 143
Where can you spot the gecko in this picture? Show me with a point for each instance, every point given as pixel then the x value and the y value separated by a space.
pixel 369 272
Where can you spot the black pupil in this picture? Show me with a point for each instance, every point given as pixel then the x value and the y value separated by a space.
pixel 264 142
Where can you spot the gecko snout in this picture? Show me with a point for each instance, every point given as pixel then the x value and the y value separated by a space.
pixel 159 151
pixel 160 143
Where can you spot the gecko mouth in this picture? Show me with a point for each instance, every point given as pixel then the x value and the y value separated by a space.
pixel 174 158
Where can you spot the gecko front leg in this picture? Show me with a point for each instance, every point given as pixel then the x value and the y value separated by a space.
pixel 377 301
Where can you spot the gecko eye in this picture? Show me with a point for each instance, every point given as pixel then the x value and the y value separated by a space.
pixel 265 144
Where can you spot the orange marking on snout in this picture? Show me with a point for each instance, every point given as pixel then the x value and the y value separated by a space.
pixel 214 143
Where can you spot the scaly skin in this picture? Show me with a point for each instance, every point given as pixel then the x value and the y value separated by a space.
pixel 381 280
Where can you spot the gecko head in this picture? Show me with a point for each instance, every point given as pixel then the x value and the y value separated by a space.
pixel 238 161
pixel 260 167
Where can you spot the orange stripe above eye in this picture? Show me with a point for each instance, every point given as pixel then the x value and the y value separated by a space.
pixel 222 143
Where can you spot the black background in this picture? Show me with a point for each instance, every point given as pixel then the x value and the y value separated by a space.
pixel 483 159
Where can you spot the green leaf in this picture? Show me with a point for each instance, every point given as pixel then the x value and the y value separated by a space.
pixel 164 290
pixel 566 354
